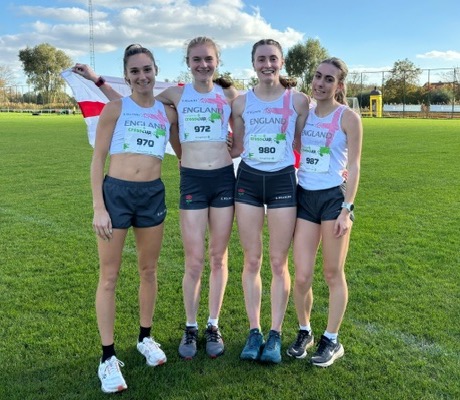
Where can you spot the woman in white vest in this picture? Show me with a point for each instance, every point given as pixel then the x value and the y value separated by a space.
pixel 134 131
pixel 265 122
pixel 207 184
pixel 330 144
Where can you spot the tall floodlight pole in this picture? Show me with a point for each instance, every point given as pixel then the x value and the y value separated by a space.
pixel 91 35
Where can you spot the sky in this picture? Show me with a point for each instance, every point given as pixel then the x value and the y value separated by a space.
pixel 368 36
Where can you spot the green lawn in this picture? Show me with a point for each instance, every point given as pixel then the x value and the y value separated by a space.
pixel 401 332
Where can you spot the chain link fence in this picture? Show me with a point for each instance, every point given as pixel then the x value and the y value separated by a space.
pixel 435 95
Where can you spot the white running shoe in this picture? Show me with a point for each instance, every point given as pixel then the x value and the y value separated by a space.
pixel 109 373
pixel 152 352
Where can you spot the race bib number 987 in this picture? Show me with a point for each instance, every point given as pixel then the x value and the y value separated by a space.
pixel 315 158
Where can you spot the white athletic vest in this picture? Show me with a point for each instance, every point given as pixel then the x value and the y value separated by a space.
pixel 324 152
pixel 141 130
pixel 269 132
pixel 203 117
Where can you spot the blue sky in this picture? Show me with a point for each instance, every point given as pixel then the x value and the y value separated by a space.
pixel 368 36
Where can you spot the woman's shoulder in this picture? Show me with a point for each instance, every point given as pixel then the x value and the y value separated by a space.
pixel 171 95
pixel 231 93
pixel 114 106
pixel 239 101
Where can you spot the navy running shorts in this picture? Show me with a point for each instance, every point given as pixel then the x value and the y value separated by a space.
pixel 321 205
pixel 138 204
pixel 275 189
pixel 200 189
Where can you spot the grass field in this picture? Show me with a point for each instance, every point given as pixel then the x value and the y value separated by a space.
pixel 401 332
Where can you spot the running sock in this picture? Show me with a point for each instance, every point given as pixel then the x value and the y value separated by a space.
pixel 191 324
pixel 144 332
pixel 107 352
pixel 305 327
pixel 331 336
pixel 213 321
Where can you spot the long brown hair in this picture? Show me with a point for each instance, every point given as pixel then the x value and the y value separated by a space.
pixel 341 95
pixel 132 50
pixel 287 82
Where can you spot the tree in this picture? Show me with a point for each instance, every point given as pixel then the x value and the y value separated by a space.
pixel 6 76
pixel 402 85
pixel 302 59
pixel 237 83
pixel 184 77
pixel 6 81
pixel 453 77
pixel 42 65
pixel 253 81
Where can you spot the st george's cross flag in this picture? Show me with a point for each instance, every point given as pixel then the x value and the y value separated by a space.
pixel 91 100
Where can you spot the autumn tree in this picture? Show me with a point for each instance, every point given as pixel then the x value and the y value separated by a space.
pixel 402 86
pixel 302 59
pixel 6 75
pixel 42 65
pixel 6 81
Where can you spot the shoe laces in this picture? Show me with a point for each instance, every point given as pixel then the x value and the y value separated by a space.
pixel 151 344
pixel 190 335
pixel 301 338
pixel 324 344
pixel 212 335
pixel 253 340
pixel 113 366
pixel 273 338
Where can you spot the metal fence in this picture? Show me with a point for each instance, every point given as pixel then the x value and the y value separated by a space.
pixel 431 82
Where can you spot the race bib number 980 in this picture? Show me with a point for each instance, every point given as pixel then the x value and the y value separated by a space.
pixel 268 147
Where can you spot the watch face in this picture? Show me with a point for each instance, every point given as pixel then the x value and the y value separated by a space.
pixel 352 207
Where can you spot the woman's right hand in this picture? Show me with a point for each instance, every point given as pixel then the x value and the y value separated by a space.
pixel 102 224
pixel 85 71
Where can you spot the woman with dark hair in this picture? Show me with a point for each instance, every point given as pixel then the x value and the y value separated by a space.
pixel 330 143
pixel 265 122
pixel 131 194
pixel 207 184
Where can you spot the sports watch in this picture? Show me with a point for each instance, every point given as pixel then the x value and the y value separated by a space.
pixel 100 81
pixel 349 206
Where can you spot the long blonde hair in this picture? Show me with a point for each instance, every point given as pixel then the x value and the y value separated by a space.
pixel 204 40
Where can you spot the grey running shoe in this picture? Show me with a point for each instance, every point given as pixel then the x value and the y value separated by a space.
pixel 272 349
pixel 327 352
pixel 214 342
pixel 254 345
pixel 304 341
pixel 187 347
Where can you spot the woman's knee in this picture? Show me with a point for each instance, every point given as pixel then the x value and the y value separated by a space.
pixel 334 277
pixel 148 272
pixel 108 282
pixel 303 281
pixel 279 266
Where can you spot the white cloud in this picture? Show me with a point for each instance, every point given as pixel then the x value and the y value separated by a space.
pixel 160 24
pixel 73 14
pixel 157 24
pixel 442 55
